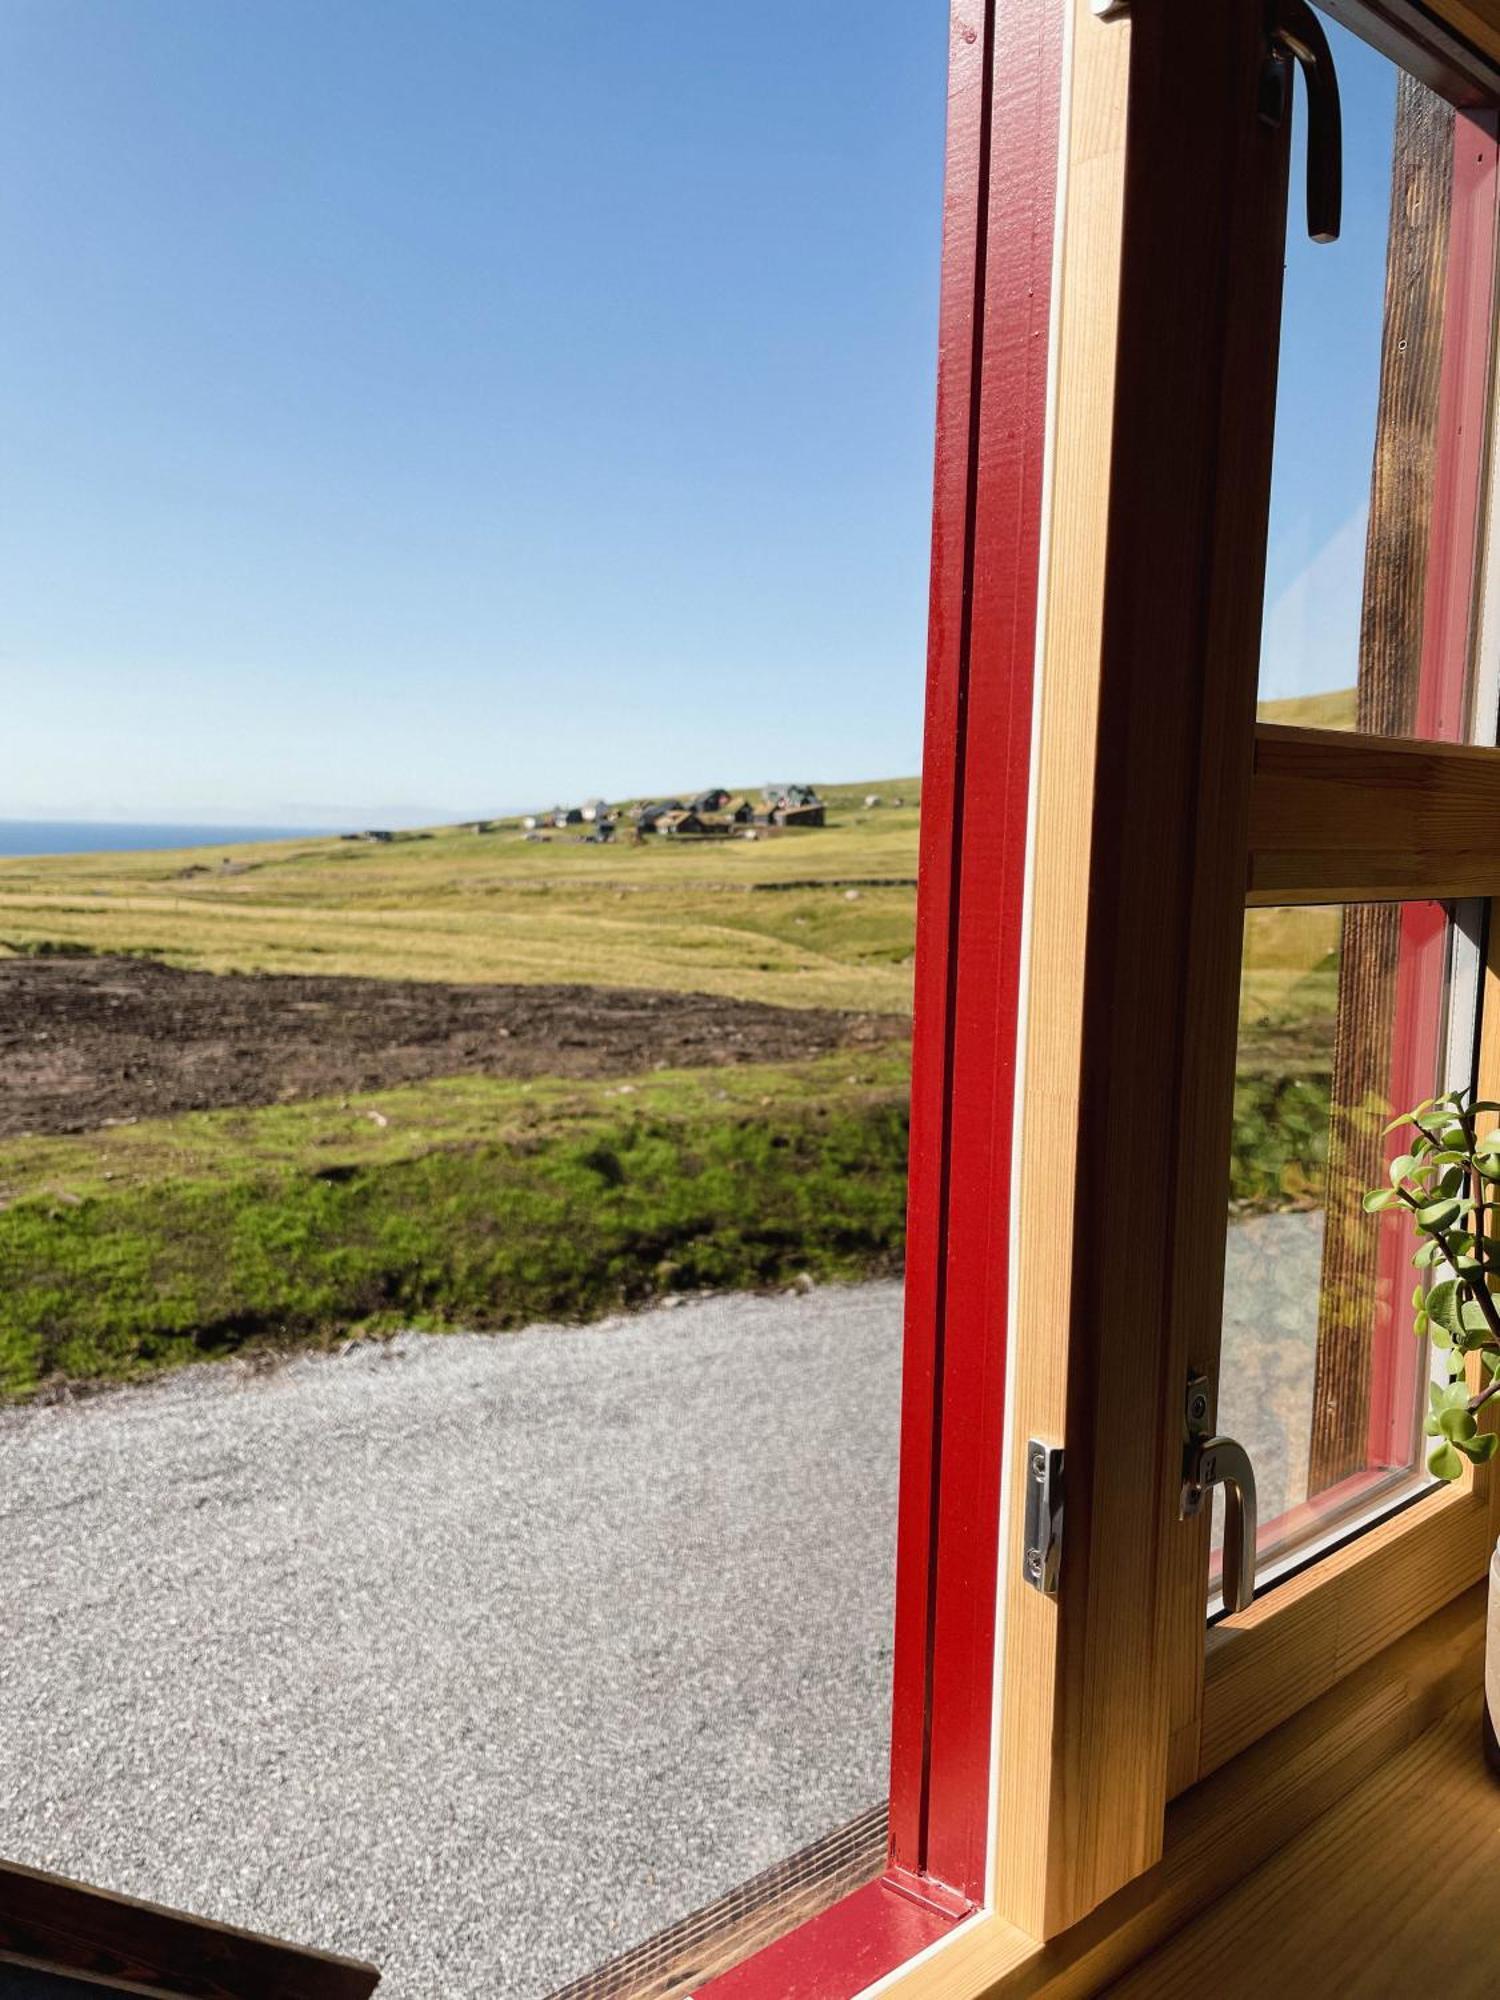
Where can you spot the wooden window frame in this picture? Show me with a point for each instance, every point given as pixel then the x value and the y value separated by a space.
pixel 1313 837
pixel 1076 1025
pixel 1098 808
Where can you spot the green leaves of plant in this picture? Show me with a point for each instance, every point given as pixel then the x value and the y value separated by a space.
pixel 1444 1180
pixel 1444 1305
pixel 1446 1460
pixel 1445 1463
pixel 1437 1215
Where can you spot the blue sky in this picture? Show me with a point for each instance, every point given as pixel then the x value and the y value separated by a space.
pixel 410 410
pixel 1327 393
pixel 413 409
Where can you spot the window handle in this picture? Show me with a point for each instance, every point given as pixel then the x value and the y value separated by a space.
pixel 1209 1461
pixel 1297 36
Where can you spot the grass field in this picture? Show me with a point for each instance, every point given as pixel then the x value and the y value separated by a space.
pixel 815 917
pixel 1288 1011
pixel 475 1202
pixel 487 1203
pixel 470 1201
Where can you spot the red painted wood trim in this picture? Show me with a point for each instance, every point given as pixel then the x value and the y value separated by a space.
pixel 1443 705
pixel 965 199
pixel 838 1954
pixel 1417 1027
pixel 1463 407
pixel 997 280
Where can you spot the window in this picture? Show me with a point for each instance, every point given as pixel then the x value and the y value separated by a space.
pixel 1104 808
pixel 1347 1016
pixel 1189 866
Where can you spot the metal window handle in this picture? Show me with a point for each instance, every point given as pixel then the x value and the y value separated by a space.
pixel 1210 1461
pixel 1297 36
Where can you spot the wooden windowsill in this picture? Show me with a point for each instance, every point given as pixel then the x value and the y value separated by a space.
pixel 1299 1793
pixel 1395 1890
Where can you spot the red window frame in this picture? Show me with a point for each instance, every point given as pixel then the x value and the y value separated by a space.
pixel 1004 115
pixel 1004 142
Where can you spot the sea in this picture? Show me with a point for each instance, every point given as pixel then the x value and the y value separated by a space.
pixel 63 836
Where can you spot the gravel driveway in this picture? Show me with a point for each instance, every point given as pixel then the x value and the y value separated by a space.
pixel 487 1657
pixel 480 1657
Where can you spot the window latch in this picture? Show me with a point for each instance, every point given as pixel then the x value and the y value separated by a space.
pixel 1296 36
pixel 1209 1461
pixel 1044 1516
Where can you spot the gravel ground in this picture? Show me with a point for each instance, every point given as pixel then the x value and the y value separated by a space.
pixel 482 1658
pixel 486 1657
pixel 1271 1274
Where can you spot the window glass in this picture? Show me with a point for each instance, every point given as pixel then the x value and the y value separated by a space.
pixel 464 553
pixel 1347 1016
pixel 1353 636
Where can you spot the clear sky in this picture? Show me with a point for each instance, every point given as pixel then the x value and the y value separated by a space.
pixel 411 408
pixel 1327 394
pixel 417 408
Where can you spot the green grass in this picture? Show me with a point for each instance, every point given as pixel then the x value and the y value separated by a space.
pixel 1334 710
pixel 1284 1074
pixel 483 1203
pixel 476 1203
pixel 808 917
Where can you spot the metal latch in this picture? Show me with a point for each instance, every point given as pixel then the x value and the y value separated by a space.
pixel 1209 1461
pixel 1296 36
pixel 1044 1516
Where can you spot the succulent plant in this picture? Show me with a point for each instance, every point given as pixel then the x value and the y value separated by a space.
pixel 1448 1180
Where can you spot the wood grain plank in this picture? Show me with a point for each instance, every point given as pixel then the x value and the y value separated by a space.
pixel 1300 1639
pixel 1453 46
pixel 1223 1829
pixel 1477 21
pixel 62 1926
pixel 1340 818
pixel 1162 469
pixel 1348 1906
pixel 1086 303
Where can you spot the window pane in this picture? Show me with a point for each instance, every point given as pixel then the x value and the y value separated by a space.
pixel 1345 1017
pixel 465 556
pixel 1358 631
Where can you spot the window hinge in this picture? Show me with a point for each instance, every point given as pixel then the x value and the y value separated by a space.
pixel 1044 1516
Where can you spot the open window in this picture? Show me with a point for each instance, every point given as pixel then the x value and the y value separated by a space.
pixel 1181 949
pixel 1204 899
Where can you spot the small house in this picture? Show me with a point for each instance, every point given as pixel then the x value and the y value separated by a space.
pixel 647 815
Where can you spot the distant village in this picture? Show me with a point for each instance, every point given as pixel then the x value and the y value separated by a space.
pixel 712 815
pixel 715 814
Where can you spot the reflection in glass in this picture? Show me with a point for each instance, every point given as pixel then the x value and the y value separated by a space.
pixel 1356 451
pixel 1344 1019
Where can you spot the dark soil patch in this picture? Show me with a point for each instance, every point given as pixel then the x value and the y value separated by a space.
pixel 87 1042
